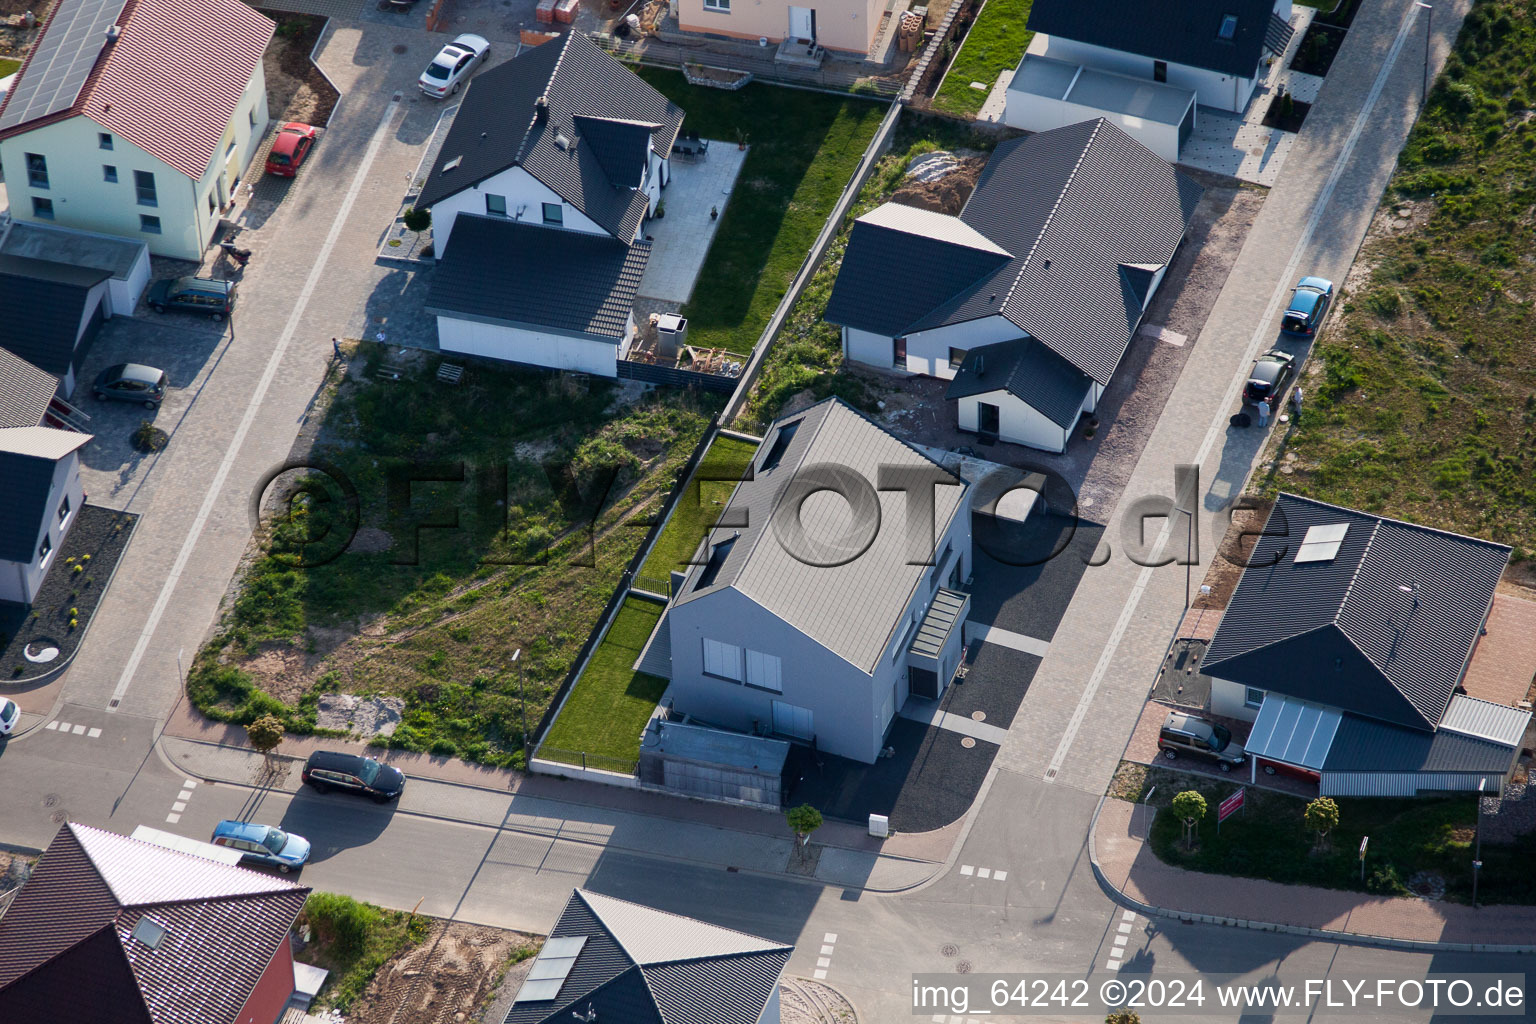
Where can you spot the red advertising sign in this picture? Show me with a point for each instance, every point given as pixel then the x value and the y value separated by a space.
pixel 1230 806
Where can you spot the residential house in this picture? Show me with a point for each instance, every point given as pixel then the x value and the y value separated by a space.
pixel 830 591
pixel 39 476
pixel 65 305
pixel 1058 251
pixel 1348 643
pixel 610 960
pixel 113 930
pixel 1213 48
pixel 1046 93
pixel 125 260
pixel 538 197
pixel 137 118
pixel 847 26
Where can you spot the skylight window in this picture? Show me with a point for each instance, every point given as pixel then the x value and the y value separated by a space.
pixel 780 445
pixel 149 931
pixel 1228 28
pixel 1321 543
pixel 717 557
pixel 551 969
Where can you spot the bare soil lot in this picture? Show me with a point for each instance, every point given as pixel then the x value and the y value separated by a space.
pixel 296 90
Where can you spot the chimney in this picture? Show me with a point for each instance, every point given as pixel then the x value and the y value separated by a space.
pixel 541 109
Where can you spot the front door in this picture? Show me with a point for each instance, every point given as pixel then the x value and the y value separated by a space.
pixel 924 681
pixel 987 419
pixel 802 24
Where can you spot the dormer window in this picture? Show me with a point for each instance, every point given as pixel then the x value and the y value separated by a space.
pixel 717 557
pixel 780 445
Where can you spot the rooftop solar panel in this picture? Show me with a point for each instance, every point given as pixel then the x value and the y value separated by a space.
pixel 63 60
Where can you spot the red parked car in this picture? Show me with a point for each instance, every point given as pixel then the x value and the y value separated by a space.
pixel 290 147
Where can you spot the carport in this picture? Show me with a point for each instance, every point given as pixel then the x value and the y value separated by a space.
pixel 1291 735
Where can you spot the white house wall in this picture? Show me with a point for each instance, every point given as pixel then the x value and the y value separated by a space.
pixel 520 189
pixel 928 351
pixel 867 348
pixel 20 581
pixel 1035 113
pixel 1091 401
pixel 1018 422
pixel 525 345
pixel 1229 700
pixel 1212 88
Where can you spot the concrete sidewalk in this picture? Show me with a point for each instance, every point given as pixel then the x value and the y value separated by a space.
pixel 640 821
pixel 1127 865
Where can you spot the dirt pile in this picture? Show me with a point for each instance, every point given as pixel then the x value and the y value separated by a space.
pixel 940 181
pixel 443 980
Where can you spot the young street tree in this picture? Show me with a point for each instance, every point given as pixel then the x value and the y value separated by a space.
pixel 804 820
pixel 1322 817
pixel 1188 807
pixel 265 734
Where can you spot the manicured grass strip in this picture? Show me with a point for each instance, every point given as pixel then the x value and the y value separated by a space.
pixel 697 510
pixel 8 67
pixel 995 43
pixel 611 702
pixel 804 148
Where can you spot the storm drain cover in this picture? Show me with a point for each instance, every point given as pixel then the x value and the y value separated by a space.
pixel 949 949
pixel 963 967
pixel 967 742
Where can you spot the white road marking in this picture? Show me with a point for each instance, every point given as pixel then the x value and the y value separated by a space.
pixel 1129 915
pixel 51 725
pixel 1125 929
pixel 983 872
pixel 1263 330
pixel 185 794
pixel 172 819
pixel 826 950
pixel 998 876
pixel 1113 965
pixel 1008 638
pixel 93 734
pixel 820 974
pixel 829 937
pixel 823 961
pixel 966 869
pixel 78 730
pixel 179 806
pixel 1121 940
pixel 253 406
pixel 189 784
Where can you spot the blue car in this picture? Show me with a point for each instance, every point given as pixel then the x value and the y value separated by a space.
pixel 1309 304
pixel 263 844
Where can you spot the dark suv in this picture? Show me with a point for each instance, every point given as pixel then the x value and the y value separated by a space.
pixel 203 295
pixel 1186 734
pixel 327 770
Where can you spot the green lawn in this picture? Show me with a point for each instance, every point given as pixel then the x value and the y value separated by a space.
pixel 611 702
pixel 1425 406
pixel 995 43
pixel 559 484
pixel 697 510
pixel 804 148
pixel 1267 839
pixel 8 67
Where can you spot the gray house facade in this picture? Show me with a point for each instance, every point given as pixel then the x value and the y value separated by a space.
pixel 830 593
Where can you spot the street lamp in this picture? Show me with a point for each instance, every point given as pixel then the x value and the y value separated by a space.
pixel 1477 852
pixel 523 697
pixel 1429 28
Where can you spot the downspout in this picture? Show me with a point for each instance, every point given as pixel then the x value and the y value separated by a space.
pixel 197 216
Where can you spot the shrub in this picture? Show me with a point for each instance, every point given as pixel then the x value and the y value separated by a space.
pixel 340 921
pixel 1385 880
pixel 445 748
pixel 417 220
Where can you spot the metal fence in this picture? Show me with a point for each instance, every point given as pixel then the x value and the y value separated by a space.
pixel 675 377
pixel 586 761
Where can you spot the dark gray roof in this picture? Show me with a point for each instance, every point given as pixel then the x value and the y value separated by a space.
pixel 54 294
pixel 1365 745
pixel 640 966
pixel 25 480
pixel 1340 632
pixel 496 128
pixel 902 262
pixel 1277 34
pixel 25 391
pixel 1028 371
pixel 1088 214
pixel 522 273
pixel 814 598
pixel 1177 31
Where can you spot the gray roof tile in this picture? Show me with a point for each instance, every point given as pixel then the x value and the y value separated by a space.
pixel 25 391
pixel 1340 631
pixel 55 296
pixel 509 271
pixel 1030 372
pixel 1177 31
pixel 1368 745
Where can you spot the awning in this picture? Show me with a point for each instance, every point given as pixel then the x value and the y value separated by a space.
pixel 1293 731
pixel 946 609
pixel 1277 34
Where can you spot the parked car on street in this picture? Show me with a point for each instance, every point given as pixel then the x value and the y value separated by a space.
pixel 1186 734
pixel 263 844
pixel 290 146
pixel 1309 304
pixel 209 296
pixel 453 64
pixel 1268 379
pixel 10 714
pixel 131 382
pixel 328 769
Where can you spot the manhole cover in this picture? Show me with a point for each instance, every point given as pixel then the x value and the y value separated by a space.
pixel 40 652
pixel 59 817
pixel 400 48
pixel 967 742
pixel 963 967
pixel 949 949
pixel 1086 502
pixel 51 800
pixel 978 716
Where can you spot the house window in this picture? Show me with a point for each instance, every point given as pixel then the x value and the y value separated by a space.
pixel 144 186
pixel 554 213
pixel 64 510
pixel 1159 71
pixel 37 170
pixel 148 224
pixel 1228 28
pixel 252 115
pixel 722 660
pixel 1253 698
pixel 109 174
pixel 723 6
pixel 899 353
pixel 956 357
pixel 496 206
pixel 213 207
pixel 763 671
pixel 44 550
pixel 104 140
pixel 42 208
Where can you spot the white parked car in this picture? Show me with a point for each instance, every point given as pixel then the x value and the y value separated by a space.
pixel 10 714
pixel 453 64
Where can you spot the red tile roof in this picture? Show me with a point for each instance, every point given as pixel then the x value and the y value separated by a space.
pixel 172 81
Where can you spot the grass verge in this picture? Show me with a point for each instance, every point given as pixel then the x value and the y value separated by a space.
pixel 808 355
pixel 1425 404
pixel 611 702
pixel 804 148
pixel 697 511
pixel 550 485
pixel 1268 840
pixel 9 66
pixel 352 940
pixel 995 43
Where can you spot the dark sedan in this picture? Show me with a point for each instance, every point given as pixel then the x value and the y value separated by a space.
pixel 131 382
pixel 1309 304
pixel 1267 380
